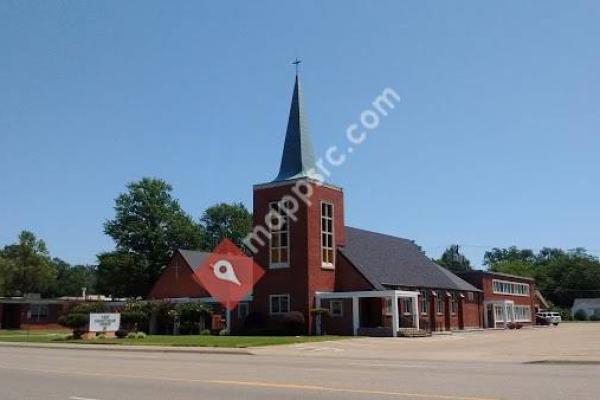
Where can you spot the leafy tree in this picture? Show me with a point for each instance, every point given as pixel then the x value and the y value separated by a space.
pixel 232 221
pixel 26 266
pixel 71 279
pixel 453 260
pixel 148 226
pixel 514 267
pixel 497 255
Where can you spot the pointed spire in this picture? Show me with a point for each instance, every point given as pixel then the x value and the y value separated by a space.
pixel 298 157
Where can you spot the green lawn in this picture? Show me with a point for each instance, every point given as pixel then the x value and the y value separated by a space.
pixel 166 340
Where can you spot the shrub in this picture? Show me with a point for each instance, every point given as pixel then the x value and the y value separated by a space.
pixel 134 320
pixel 595 317
pixel 290 324
pixel 140 335
pixel 254 321
pixel 136 315
pixel 131 335
pixel 580 315
pixel 101 336
pixel 192 317
pixel 121 333
pixel 76 321
pixel 205 332
pixel 293 323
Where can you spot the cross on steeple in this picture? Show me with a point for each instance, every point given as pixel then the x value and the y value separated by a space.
pixel 297 63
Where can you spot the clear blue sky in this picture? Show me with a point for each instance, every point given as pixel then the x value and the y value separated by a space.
pixel 496 141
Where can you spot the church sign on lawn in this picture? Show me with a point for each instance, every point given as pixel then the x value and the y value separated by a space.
pixel 105 322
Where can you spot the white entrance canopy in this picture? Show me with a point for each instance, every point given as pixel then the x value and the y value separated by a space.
pixel 394 295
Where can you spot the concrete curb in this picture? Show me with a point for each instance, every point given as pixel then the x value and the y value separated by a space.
pixel 139 349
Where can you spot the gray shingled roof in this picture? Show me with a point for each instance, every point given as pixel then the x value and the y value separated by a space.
pixel 193 258
pixel 298 158
pixel 392 261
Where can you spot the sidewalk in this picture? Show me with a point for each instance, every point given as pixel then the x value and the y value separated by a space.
pixel 117 347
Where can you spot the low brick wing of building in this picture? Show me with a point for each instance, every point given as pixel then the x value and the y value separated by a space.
pixel 507 299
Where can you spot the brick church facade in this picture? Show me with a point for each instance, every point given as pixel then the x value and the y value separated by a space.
pixel 370 283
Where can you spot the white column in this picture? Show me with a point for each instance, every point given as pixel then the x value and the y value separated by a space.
pixel 505 308
pixel 415 307
pixel 318 315
pixel 395 317
pixel 355 315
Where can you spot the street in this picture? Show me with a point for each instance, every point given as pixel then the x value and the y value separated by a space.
pixel 457 367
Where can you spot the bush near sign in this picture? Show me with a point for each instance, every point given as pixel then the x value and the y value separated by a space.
pixel 108 322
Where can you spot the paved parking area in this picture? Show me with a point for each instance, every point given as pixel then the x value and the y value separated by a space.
pixel 568 342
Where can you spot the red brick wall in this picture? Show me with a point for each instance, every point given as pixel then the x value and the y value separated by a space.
pixel 483 281
pixel 472 311
pixel 177 281
pixel 339 325
pixel 347 278
pixel 304 275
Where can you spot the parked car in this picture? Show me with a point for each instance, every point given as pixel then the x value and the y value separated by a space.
pixel 550 317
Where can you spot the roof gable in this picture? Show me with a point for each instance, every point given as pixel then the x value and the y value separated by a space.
pixel 392 261
pixel 193 258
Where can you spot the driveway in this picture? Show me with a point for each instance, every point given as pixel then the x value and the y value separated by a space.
pixel 574 342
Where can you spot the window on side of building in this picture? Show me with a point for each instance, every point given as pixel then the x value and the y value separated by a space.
pixel 327 238
pixel 424 302
pixel 471 297
pixel 453 304
pixel 439 301
pixel 39 312
pixel 280 237
pixel 336 308
pixel 499 313
pixel 522 313
pixel 279 304
pixel 510 288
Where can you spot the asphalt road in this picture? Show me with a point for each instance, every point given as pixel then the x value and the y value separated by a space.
pixel 317 371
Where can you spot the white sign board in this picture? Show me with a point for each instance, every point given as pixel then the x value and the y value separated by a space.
pixel 105 322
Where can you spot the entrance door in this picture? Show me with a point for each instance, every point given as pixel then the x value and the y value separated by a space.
pixel 491 321
pixel 509 313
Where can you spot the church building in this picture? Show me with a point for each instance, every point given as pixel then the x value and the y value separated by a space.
pixel 370 283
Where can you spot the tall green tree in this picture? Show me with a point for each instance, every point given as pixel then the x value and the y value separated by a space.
pixel 512 253
pixel 453 260
pixel 26 267
pixel 148 226
pixel 6 272
pixel 71 279
pixel 232 221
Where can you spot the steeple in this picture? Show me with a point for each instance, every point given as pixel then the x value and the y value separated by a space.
pixel 298 157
